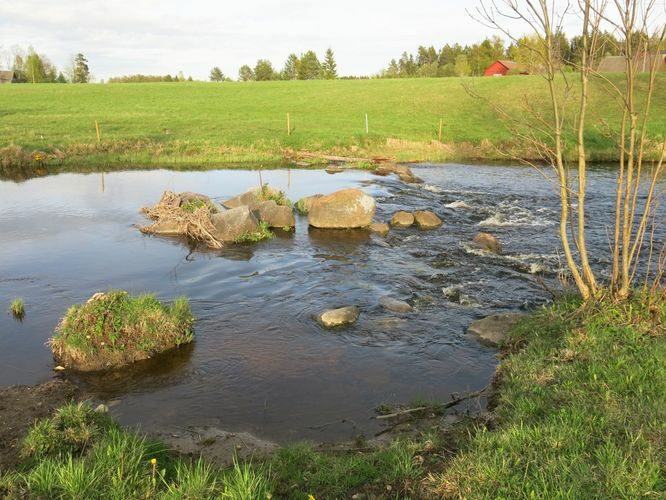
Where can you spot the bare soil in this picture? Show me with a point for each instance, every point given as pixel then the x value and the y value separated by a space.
pixel 21 406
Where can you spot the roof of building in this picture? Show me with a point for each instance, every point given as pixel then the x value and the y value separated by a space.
pixel 6 76
pixel 616 64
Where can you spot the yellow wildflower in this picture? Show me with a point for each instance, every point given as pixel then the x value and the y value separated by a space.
pixel 153 461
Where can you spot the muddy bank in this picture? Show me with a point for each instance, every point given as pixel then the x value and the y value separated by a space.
pixel 21 406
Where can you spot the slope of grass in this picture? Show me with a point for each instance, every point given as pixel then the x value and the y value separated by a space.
pixel 581 410
pixel 207 123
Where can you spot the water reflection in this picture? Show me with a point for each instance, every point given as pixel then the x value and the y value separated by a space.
pixel 260 363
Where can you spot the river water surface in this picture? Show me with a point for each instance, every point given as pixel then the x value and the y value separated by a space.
pixel 260 363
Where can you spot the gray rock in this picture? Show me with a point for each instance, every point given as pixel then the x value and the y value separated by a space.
pixel 334 169
pixel 395 305
pixel 380 228
pixel 488 242
pixel 232 224
pixel 491 330
pixel 250 198
pixel 274 215
pixel 425 219
pixel 402 219
pixel 168 227
pixel 216 446
pixel 339 317
pixel 346 209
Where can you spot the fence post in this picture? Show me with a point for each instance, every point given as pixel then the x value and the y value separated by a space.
pixel 367 125
pixel 439 136
pixel 99 136
pixel 288 124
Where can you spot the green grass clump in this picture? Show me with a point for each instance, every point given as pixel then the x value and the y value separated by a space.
pixel 279 197
pixel 300 469
pixel 71 430
pixel 17 308
pixel 262 233
pixel 581 409
pixel 113 329
pixel 301 207
pixel 193 205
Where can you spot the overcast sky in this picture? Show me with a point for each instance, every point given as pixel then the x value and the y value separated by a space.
pixel 122 37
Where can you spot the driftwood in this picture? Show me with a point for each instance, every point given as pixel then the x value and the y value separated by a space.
pixel 441 407
pixel 343 159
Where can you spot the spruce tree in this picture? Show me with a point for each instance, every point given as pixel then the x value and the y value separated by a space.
pixel 329 69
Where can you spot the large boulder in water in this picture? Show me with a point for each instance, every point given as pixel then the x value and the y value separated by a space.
pixel 339 317
pixel 346 209
pixel 232 224
pixel 488 242
pixel 425 219
pixel 274 215
pixel 492 330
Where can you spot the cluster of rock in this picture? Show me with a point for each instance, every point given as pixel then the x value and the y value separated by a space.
pixel 423 219
pixel 197 216
pixel 402 171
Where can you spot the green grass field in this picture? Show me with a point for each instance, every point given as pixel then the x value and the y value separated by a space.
pixel 223 123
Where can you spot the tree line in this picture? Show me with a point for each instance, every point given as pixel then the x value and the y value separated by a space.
pixel 139 78
pixel 307 66
pixel 473 60
pixel 31 67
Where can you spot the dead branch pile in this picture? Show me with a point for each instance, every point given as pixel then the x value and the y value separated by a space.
pixel 168 213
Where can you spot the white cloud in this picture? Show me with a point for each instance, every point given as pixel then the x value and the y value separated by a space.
pixel 166 36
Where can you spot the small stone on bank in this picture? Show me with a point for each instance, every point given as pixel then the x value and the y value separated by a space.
pixel 492 330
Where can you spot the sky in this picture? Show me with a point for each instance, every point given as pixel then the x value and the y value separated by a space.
pixel 121 37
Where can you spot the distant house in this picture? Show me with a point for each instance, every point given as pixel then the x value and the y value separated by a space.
pixel 7 77
pixel 615 64
pixel 502 67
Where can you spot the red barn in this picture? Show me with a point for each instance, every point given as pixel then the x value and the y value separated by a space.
pixel 502 67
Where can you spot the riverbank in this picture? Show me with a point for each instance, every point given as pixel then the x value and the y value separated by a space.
pixel 579 412
pixel 231 123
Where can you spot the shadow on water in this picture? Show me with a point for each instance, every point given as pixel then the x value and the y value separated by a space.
pixel 167 369
pixel 260 362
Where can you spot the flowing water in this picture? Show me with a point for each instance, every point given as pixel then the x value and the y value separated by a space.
pixel 260 363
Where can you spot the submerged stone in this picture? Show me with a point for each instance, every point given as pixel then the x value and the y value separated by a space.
pixel 380 228
pixel 339 317
pixel 395 305
pixel 488 242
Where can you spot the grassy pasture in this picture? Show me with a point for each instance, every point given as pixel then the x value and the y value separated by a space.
pixel 223 123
